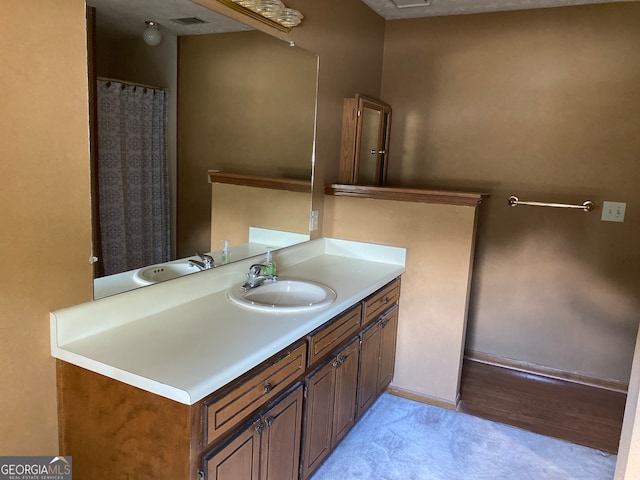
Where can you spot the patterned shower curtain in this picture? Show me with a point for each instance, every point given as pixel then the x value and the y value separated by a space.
pixel 133 179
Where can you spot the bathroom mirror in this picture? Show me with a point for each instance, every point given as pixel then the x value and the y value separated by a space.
pixel 240 101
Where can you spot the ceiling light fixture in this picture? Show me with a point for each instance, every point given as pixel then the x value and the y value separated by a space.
pixel 272 12
pixel 152 35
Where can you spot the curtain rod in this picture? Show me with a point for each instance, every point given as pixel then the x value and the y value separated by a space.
pixel 132 84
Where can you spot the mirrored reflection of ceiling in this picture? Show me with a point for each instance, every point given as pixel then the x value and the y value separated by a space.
pixel 398 9
pixel 127 17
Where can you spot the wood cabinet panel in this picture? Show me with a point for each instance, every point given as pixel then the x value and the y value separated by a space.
pixel 231 408
pixel 381 301
pixel 268 448
pixel 330 406
pixel 318 418
pixel 115 430
pixel 389 333
pixel 334 333
pixel 346 379
pixel 280 446
pixel 237 460
pixel 369 363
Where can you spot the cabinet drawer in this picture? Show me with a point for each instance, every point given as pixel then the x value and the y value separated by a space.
pixel 381 301
pixel 336 332
pixel 231 408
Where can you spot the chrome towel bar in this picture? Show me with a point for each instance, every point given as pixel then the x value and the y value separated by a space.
pixel 586 206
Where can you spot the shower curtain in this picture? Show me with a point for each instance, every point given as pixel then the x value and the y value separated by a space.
pixel 133 182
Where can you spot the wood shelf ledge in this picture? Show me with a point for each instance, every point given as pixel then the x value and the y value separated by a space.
pixel 467 199
pixel 289 184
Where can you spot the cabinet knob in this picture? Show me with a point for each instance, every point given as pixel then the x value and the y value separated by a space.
pixel 270 420
pixel 267 387
pixel 385 300
pixel 259 427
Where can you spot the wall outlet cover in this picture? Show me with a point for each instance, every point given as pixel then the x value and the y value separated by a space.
pixel 613 211
pixel 314 221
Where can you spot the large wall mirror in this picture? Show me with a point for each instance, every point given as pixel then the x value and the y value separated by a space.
pixel 218 96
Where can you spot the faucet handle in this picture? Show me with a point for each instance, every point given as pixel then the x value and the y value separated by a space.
pixel 206 259
pixel 256 269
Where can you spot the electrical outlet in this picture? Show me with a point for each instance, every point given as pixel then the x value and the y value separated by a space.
pixel 314 221
pixel 613 211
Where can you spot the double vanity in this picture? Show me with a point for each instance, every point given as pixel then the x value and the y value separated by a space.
pixel 195 378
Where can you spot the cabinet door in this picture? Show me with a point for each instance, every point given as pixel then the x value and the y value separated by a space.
pixel 318 419
pixel 346 378
pixel 369 365
pixel 238 459
pixel 389 329
pixel 280 456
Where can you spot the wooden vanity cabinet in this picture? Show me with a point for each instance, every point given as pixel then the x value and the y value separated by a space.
pixel 267 448
pixel 264 425
pixel 330 408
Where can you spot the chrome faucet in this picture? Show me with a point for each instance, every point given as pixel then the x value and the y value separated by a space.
pixel 205 263
pixel 255 278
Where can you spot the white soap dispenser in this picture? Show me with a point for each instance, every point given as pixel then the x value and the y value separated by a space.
pixel 269 264
pixel 226 255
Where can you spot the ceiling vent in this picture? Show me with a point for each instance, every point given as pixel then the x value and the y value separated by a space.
pixel 188 21
pixel 411 3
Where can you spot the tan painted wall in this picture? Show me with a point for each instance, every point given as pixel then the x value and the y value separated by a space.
pixel 235 208
pixel 544 104
pixel 349 38
pixel 44 207
pixel 433 302
pixel 246 105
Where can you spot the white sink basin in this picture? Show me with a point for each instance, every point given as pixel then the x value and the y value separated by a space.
pixel 283 296
pixel 162 272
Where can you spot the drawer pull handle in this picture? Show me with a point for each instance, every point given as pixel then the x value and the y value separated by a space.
pixel 385 300
pixel 267 388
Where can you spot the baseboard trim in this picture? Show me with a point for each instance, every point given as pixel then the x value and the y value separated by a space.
pixel 525 367
pixel 422 398
pixel 582 414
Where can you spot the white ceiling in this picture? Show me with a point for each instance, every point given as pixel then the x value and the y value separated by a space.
pixel 433 8
pixel 127 17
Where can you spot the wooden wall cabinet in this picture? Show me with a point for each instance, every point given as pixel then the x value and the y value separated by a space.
pixel 364 151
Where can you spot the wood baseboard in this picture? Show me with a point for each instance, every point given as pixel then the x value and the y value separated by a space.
pixel 582 414
pixel 420 397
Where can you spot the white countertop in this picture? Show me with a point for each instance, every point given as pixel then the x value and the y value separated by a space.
pixel 184 339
